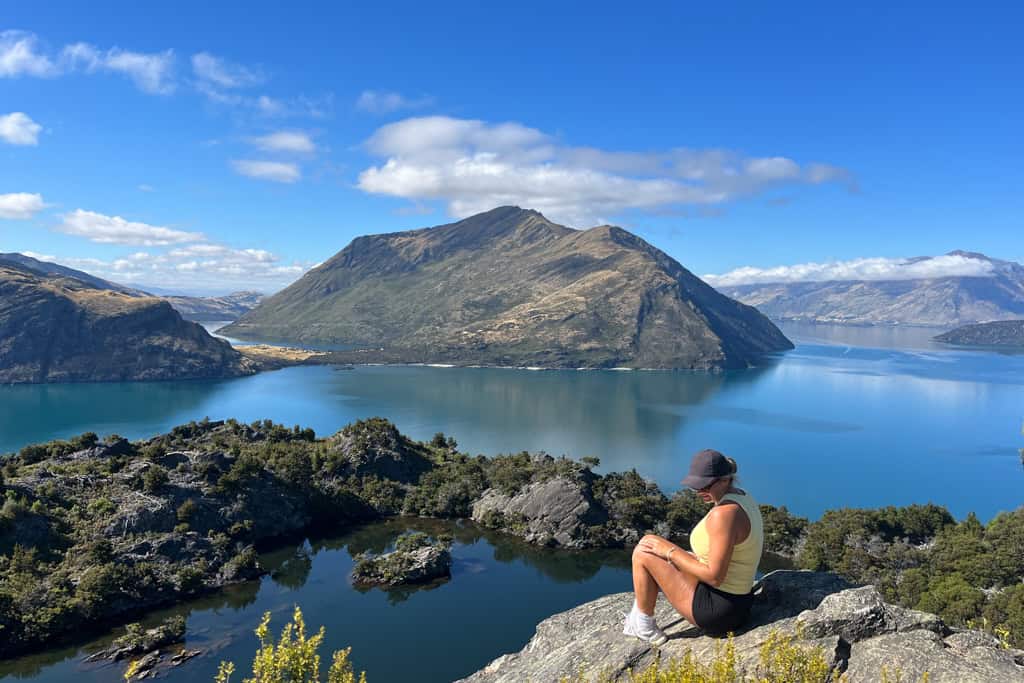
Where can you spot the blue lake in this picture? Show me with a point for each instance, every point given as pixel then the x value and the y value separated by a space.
pixel 862 417
pixel 851 417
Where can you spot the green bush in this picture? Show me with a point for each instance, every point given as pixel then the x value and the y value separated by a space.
pixel 154 478
pixel 186 511
pixel 782 530
pixel 293 658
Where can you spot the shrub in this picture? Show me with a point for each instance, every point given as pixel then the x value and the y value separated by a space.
pixel 154 478
pixel 685 509
pixel 293 658
pixel 952 598
pixel 782 530
pixel 412 541
pixel 186 511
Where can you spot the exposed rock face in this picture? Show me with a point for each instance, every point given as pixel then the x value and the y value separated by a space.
pixel 858 631
pixel 1009 333
pixel 938 302
pixel 508 287
pixel 553 512
pixel 59 329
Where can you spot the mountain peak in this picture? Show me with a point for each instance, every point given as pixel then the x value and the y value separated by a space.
pixel 509 287
pixel 969 254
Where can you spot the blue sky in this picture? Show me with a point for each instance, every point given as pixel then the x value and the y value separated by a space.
pixel 206 146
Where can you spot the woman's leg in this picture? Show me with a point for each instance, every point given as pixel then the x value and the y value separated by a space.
pixel 651 573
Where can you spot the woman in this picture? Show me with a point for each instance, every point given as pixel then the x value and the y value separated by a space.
pixel 710 586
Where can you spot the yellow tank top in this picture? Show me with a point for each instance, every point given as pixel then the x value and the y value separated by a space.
pixel 739 577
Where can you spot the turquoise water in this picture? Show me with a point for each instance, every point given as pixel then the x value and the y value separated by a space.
pixel 852 416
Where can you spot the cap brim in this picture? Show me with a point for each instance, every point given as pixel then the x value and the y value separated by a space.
pixel 697 483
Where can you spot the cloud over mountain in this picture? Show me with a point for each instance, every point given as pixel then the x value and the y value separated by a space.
pixel 474 165
pixel 868 269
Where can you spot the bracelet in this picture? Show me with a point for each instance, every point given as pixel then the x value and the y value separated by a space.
pixel 668 555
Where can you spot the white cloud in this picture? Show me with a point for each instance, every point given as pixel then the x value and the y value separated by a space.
pixel 275 171
pixel 151 72
pixel 116 230
pixel 17 128
pixel 285 141
pixel 949 265
pixel 383 102
pixel 474 166
pixel 223 74
pixel 20 205
pixel 19 57
pixel 37 256
pixel 192 266
pixel 146 188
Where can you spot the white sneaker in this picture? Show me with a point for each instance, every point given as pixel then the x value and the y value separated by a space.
pixel 655 636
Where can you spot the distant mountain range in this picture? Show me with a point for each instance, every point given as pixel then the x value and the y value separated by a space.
pixel 509 287
pixel 200 309
pixel 58 328
pixel 939 302
pixel 209 308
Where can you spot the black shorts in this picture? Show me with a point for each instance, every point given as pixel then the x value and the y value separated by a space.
pixel 718 612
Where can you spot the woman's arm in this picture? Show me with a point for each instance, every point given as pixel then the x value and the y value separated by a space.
pixel 721 525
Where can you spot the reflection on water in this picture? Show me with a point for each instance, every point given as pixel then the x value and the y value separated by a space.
pixel 492 574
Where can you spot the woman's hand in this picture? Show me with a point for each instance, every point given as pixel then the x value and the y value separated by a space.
pixel 655 545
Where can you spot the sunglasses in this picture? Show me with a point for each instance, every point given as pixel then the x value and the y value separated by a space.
pixel 707 488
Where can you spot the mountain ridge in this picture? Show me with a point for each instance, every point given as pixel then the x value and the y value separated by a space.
pixel 62 329
pixel 943 301
pixel 509 287
pixel 196 308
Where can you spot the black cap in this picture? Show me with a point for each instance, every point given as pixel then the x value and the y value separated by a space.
pixel 706 466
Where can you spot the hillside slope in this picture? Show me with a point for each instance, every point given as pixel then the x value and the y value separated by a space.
pixel 508 287
pixel 1008 333
pixel 61 329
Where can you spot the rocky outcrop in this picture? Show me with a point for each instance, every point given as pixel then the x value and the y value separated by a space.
pixel 380 451
pixel 1008 333
pixel 558 511
pixel 995 293
pixel 858 632
pixel 60 329
pixel 404 566
pixel 509 287
pixel 138 640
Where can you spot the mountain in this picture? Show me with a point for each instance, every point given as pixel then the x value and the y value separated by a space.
pixel 939 302
pixel 208 308
pixel 1000 333
pixel 56 270
pixel 509 287
pixel 199 308
pixel 61 329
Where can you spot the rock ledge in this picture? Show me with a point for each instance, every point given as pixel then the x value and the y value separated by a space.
pixel 859 632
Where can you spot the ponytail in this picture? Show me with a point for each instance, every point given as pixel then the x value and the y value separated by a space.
pixel 734 467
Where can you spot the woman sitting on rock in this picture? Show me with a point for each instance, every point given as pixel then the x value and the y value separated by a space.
pixel 711 586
